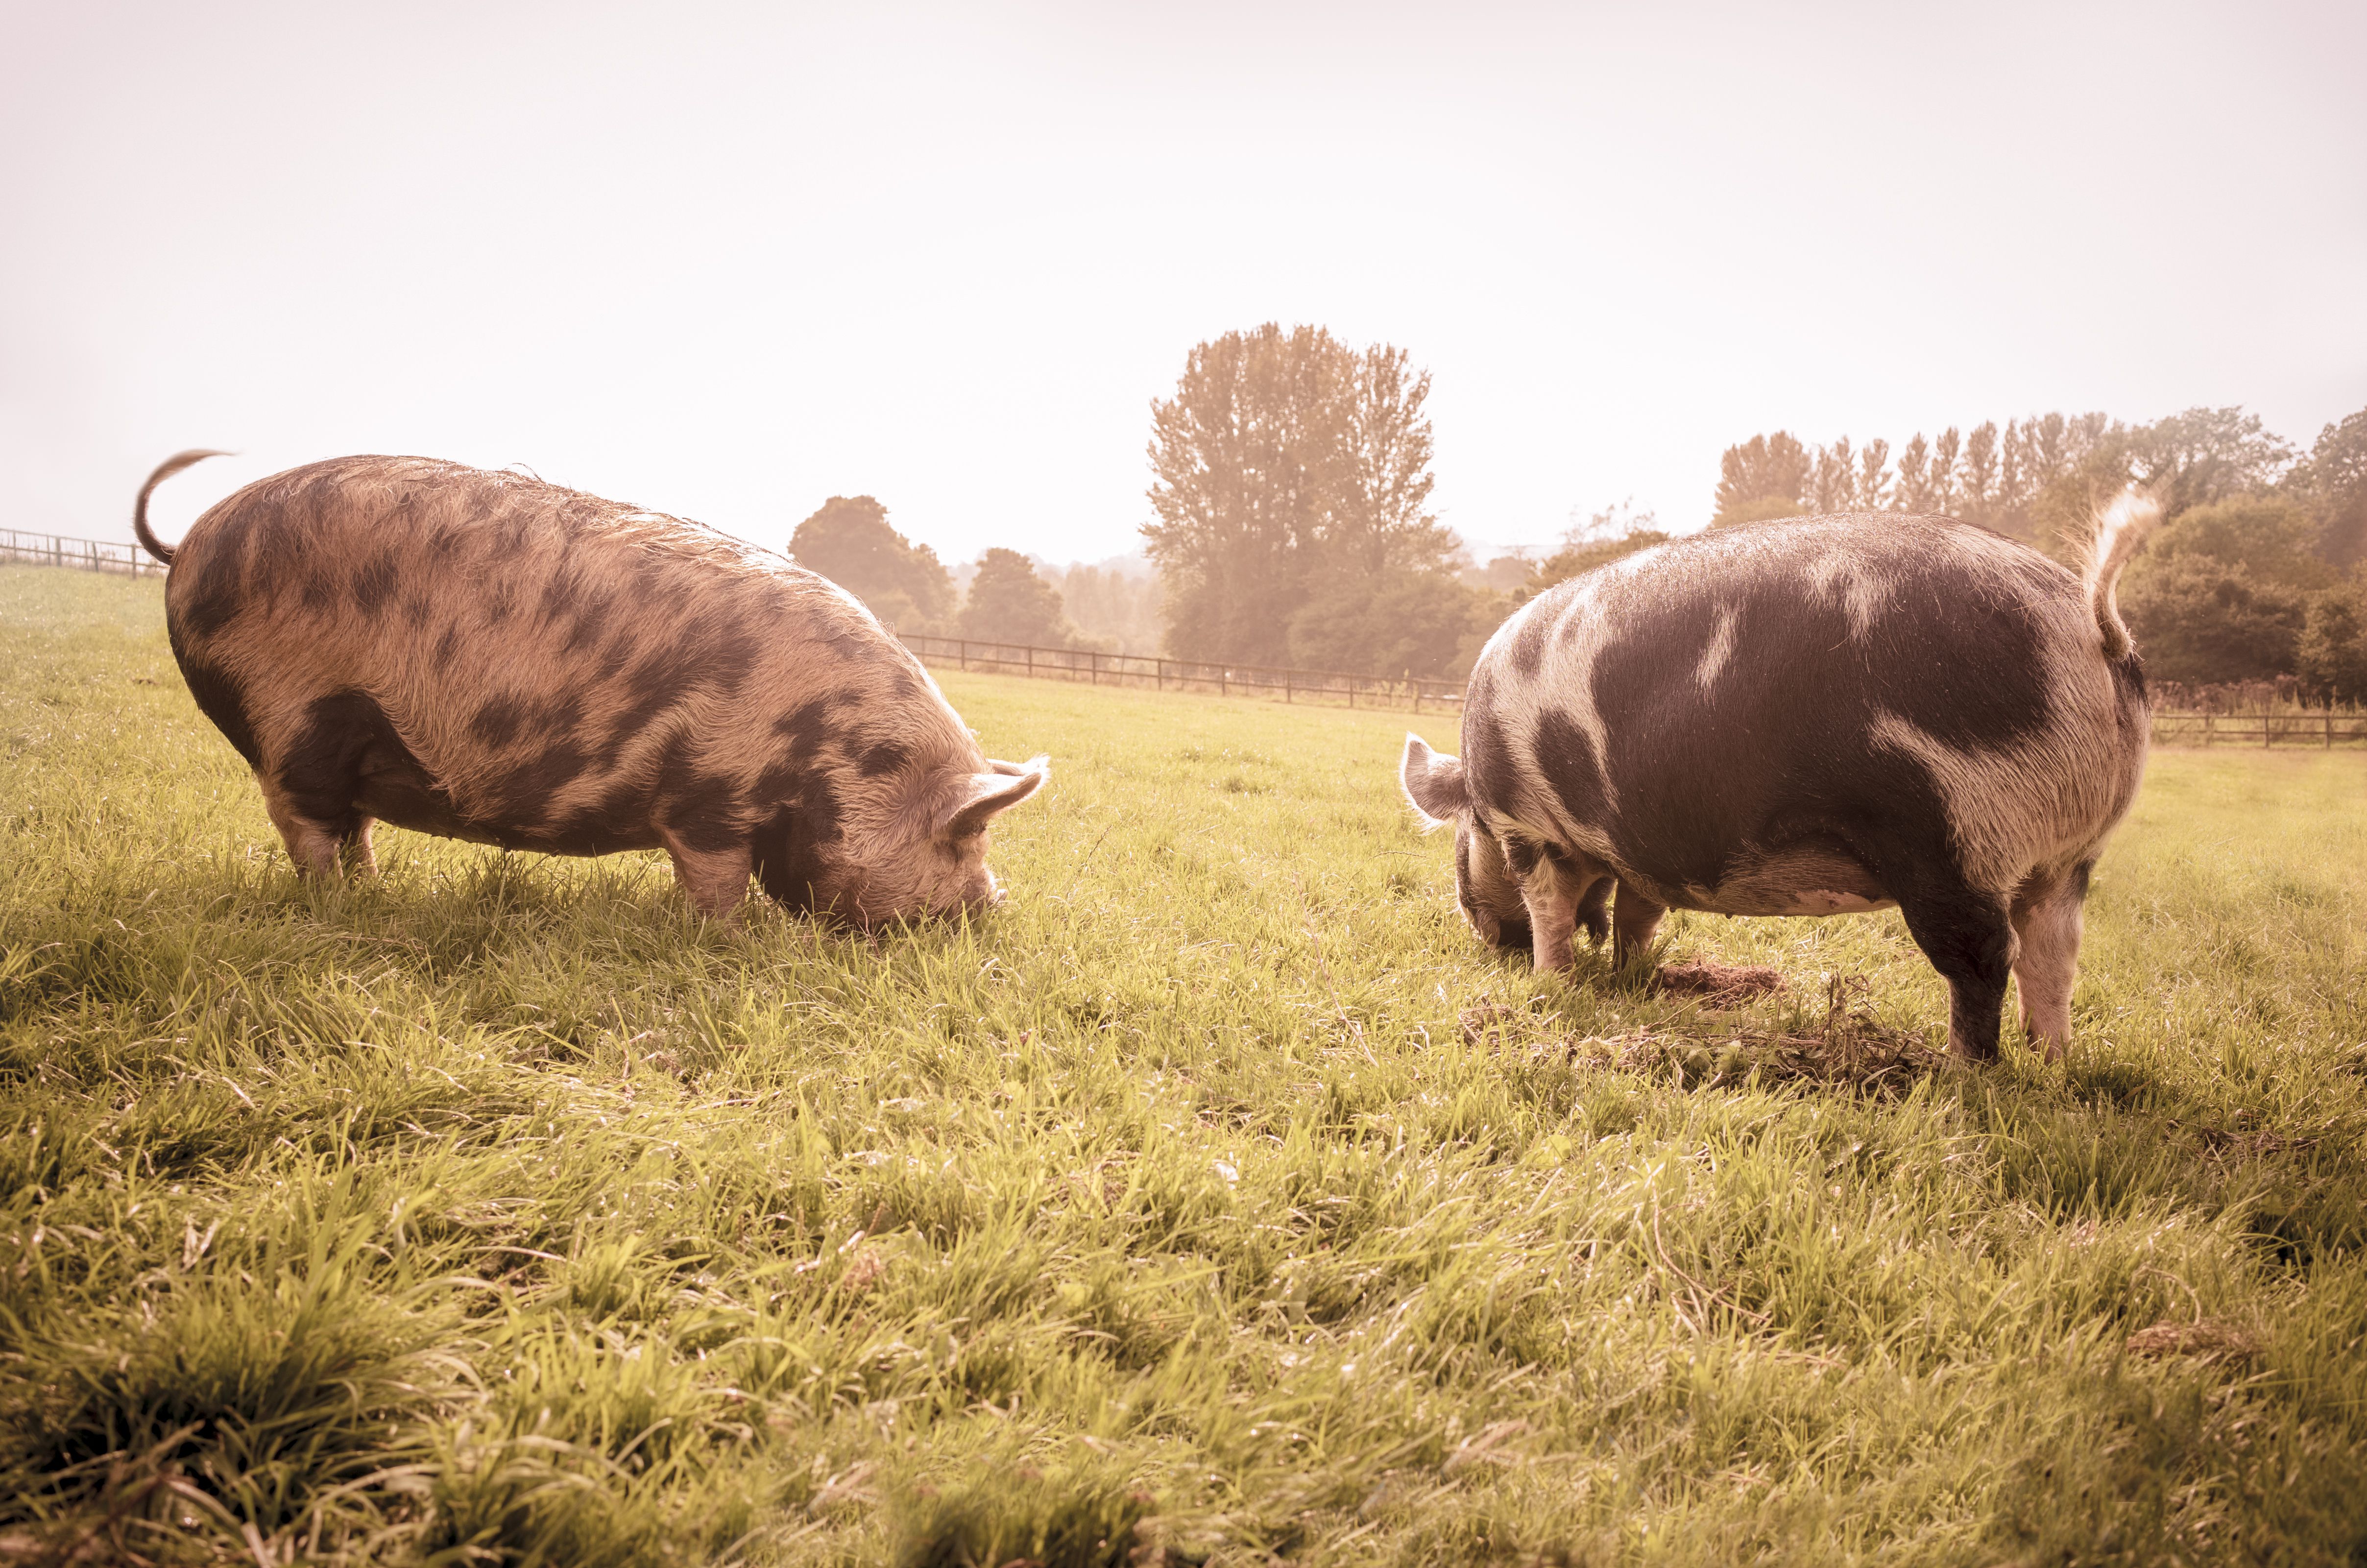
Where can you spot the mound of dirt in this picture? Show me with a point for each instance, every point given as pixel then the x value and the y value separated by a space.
pixel 1718 984
pixel 2204 1341
pixel 1851 1049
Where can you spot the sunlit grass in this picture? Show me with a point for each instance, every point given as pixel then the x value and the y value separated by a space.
pixel 500 1212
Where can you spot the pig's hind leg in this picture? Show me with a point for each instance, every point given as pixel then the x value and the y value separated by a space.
pixel 315 847
pixel 312 784
pixel 2046 914
pixel 1967 935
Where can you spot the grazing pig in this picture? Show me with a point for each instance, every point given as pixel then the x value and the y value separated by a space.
pixel 1808 717
pixel 485 656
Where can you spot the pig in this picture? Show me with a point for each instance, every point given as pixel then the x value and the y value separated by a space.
pixel 482 655
pixel 1810 716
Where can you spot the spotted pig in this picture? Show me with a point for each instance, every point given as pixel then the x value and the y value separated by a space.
pixel 1808 717
pixel 485 656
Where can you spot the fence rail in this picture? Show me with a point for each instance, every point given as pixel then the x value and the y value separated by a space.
pixel 1146 670
pixel 90 554
pixel 2288 723
pixel 2322 727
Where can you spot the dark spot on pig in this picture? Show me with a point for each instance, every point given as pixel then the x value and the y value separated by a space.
pixel 497 722
pixel 615 656
pixel 589 621
pixel 1529 643
pixel 811 729
pixel 221 697
pixel 1487 758
pixel 882 758
pixel 415 610
pixel 620 819
pixel 447 644
pixel 725 661
pixel 374 584
pixel 1567 758
pixel 217 590
pixel 700 809
pixel 792 863
pixel 1522 856
pixel 344 735
pixel 521 799
pixel 653 687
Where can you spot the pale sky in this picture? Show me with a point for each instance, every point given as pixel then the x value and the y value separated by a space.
pixel 728 260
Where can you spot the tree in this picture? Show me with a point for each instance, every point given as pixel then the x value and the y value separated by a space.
pixel 1287 465
pixel 1011 602
pixel 2223 590
pixel 2037 479
pixel 1758 474
pixel 849 543
pixel 2331 656
pixel 2269 535
pixel 1407 623
pixel 2333 481
pixel 2202 621
pixel 1113 609
pixel 1604 536
pixel 2204 455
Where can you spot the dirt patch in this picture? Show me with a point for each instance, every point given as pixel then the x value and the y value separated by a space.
pixel 1849 1050
pixel 2204 1341
pixel 2235 1144
pixel 1718 984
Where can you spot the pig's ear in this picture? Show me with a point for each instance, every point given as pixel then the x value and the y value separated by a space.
pixel 1433 783
pixel 985 796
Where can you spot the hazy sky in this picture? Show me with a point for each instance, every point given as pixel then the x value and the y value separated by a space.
pixel 726 261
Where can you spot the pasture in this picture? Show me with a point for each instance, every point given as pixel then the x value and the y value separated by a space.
pixel 1218 1199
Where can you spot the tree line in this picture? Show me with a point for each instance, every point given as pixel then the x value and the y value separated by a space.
pixel 2258 573
pixel 1291 482
pixel 1007 600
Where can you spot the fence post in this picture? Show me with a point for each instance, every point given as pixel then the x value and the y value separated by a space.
pixel 964 646
pixel 1159 672
pixel 1031 658
pixel 2330 726
pixel 1286 686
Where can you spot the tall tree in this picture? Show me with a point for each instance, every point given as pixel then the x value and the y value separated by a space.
pixel 850 541
pixel 1287 463
pixel 1010 601
pixel 1874 476
pixel 2333 481
pixel 1764 477
pixel 1915 491
pixel 1111 609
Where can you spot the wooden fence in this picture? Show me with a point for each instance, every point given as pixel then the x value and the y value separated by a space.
pixel 2296 726
pixel 1144 670
pixel 2283 723
pixel 91 554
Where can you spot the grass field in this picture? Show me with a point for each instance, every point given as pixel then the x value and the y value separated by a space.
pixel 1217 1199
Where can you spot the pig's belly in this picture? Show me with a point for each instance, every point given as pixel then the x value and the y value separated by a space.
pixel 1811 881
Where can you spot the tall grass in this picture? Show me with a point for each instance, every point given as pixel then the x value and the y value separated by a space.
pixel 500 1212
